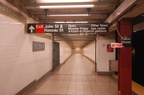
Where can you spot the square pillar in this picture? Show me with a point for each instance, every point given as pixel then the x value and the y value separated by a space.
pixel 124 59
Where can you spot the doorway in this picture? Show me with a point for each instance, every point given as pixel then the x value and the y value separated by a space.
pixel 56 55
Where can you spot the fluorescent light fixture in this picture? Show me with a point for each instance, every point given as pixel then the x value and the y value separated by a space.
pixel 59 22
pixel 72 34
pixel 81 21
pixel 67 6
pixel 68 15
pixel 63 1
pixel 71 22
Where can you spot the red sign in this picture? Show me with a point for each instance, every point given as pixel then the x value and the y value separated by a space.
pixel 109 48
pixel 116 45
pixel 39 28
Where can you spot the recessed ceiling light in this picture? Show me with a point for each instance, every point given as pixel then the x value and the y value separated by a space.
pixel 68 15
pixel 71 22
pixel 59 22
pixel 67 6
pixel 62 1
pixel 81 21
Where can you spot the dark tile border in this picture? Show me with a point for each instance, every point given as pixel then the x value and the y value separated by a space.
pixel 26 88
pixel 34 83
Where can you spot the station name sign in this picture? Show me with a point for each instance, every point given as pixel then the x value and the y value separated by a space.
pixel 67 28
pixel 126 40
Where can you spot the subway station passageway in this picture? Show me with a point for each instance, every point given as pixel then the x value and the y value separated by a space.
pixel 38 36
pixel 76 77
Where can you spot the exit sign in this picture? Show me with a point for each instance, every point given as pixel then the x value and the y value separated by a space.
pixel 40 28
pixel 116 45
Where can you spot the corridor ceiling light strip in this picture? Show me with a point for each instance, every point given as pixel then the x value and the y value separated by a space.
pixel 67 6
pixel 62 1
pixel 59 22
pixel 68 15
pixel 81 21
pixel 71 22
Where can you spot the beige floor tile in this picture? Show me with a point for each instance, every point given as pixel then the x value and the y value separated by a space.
pixel 76 77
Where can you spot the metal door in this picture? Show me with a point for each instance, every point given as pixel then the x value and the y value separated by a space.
pixel 56 55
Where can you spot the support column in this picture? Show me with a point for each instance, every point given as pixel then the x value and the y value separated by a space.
pixel 125 60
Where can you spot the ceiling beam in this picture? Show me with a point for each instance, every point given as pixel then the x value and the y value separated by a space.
pixel 122 8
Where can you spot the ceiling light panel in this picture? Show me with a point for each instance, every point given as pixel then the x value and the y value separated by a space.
pixel 64 22
pixel 68 15
pixel 81 21
pixel 59 22
pixel 67 6
pixel 71 22
pixel 63 1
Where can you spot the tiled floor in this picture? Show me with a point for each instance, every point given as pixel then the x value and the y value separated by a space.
pixel 76 77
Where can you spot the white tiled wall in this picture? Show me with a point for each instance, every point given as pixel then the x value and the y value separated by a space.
pixel 19 66
pixel 65 51
pixel 102 56
pixel 89 51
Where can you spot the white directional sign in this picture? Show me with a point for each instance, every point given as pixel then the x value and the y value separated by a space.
pixel 31 28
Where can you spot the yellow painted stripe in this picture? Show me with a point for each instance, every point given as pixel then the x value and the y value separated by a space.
pixel 135 87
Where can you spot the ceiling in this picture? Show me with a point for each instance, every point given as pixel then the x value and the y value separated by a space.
pixel 98 14
pixel 101 11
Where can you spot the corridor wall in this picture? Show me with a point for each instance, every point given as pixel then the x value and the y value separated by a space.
pixel 104 53
pixel 89 51
pixel 77 51
pixel 19 65
pixel 65 51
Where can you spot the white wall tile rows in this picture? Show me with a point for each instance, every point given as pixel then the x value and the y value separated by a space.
pixel 102 56
pixel 65 51
pixel 89 51
pixel 19 66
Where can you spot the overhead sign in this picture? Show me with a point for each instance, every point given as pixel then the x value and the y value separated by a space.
pixel 67 28
pixel 126 40
pixel 116 45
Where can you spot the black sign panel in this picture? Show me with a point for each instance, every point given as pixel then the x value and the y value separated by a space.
pixel 126 40
pixel 67 28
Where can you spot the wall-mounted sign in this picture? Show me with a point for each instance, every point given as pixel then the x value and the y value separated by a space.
pixel 126 40
pixel 67 28
pixel 38 46
pixel 116 45
pixel 109 48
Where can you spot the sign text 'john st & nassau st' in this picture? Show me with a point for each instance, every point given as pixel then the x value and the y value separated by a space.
pixel 67 28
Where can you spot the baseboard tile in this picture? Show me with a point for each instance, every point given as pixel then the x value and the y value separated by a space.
pixel 26 88
pixel 33 83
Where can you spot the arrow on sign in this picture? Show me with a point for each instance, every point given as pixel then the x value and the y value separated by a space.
pixel 31 29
